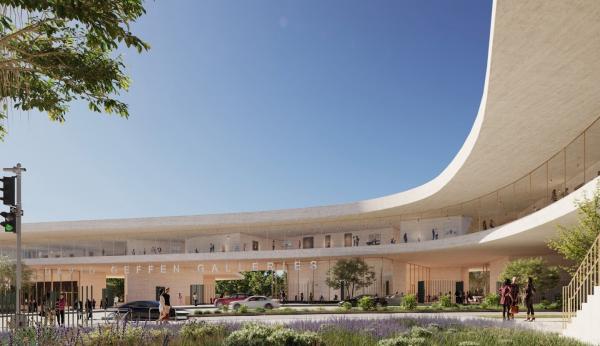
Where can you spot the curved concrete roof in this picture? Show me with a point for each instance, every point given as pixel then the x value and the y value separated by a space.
pixel 524 237
pixel 540 92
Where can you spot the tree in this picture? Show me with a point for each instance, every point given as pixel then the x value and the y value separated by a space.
pixel 56 52
pixel 544 277
pixel 479 281
pixel 260 282
pixel 351 274
pixel 574 242
pixel 117 286
pixel 8 274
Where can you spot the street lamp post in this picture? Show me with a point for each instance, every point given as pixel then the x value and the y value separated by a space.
pixel 19 213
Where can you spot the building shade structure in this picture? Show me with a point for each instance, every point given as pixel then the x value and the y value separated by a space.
pixel 534 149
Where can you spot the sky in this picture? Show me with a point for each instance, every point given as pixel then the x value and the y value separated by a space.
pixel 260 105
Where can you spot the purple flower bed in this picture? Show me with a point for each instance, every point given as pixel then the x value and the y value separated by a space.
pixel 383 328
pixel 375 328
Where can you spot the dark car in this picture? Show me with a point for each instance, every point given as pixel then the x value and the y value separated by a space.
pixel 379 301
pixel 143 310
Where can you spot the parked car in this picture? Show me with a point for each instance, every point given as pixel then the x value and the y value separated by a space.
pixel 146 310
pixel 219 302
pixel 379 301
pixel 254 302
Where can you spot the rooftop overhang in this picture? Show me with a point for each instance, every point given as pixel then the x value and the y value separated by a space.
pixel 524 237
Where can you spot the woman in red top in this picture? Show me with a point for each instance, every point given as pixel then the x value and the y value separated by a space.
pixel 60 309
pixel 505 299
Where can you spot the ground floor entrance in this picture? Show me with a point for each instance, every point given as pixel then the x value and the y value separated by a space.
pixel 196 282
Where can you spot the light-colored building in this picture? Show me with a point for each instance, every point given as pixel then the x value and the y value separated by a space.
pixel 534 149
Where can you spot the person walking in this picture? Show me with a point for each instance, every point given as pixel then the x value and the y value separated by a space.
pixel 60 309
pixel 89 308
pixel 505 299
pixel 79 308
pixel 529 293
pixel 514 292
pixel 195 298
pixel 161 306
pixel 165 300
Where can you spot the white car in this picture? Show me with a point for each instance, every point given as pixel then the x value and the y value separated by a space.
pixel 254 302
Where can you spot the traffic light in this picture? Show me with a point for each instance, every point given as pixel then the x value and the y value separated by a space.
pixel 10 221
pixel 8 190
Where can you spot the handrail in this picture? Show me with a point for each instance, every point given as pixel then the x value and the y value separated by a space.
pixel 582 284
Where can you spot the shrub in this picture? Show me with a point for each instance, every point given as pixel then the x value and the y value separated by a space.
pixel 225 308
pixel 285 337
pixel 257 334
pixel 409 302
pixel 243 309
pixel 492 299
pixel 197 331
pixel 346 306
pixel 251 334
pixel 401 341
pixel 260 310
pixel 420 332
pixel 366 303
pixel 446 301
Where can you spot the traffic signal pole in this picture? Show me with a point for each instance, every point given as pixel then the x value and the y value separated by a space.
pixel 19 212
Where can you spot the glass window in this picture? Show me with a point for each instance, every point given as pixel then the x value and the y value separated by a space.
pixel 574 165
pixel 522 201
pixel 347 239
pixel 506 205
pixel 592 152
pixel 307 242
pixel 374 239
pixel 489 207
pixel 539 187
pixel 327 241
pixel 470 209
pixel 556 176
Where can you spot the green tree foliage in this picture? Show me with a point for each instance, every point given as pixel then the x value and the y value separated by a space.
pixel 353 274
pixel 409 302
pixel 117 285
pixel 544 276
pixel 8 274
pixel 446 301
pixel 479 281
pixel 366 303
pixel 253 282
pixel 574 242
pixel 55 52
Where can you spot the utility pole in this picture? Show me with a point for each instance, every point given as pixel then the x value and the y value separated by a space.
pixel 19 213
